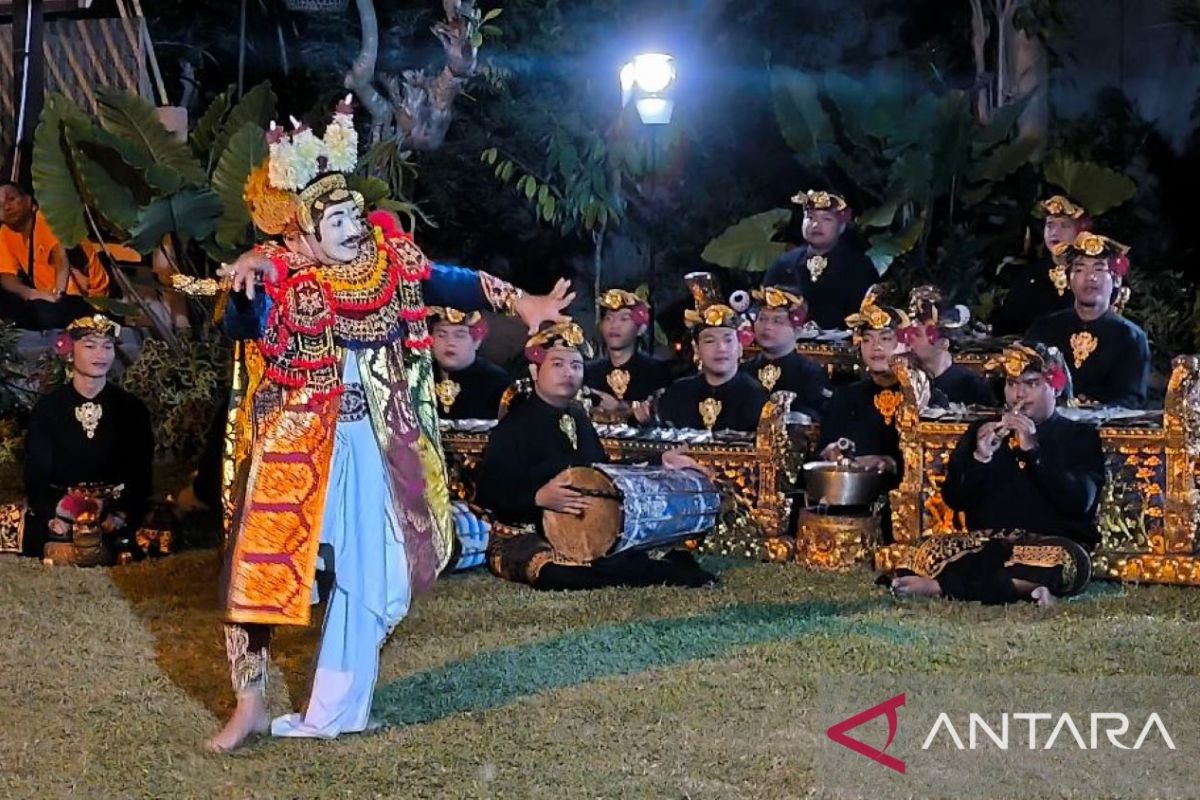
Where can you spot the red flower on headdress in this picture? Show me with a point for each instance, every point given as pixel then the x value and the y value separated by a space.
pixel 386 222
pixel 798 316
pixel 63 345
pixel 745 336
pixel 640 314
pixel 1119 265
pixel 1056 377
pixel 535 354
pixel 479 330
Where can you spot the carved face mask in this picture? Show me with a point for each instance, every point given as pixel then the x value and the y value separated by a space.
pixel 340 232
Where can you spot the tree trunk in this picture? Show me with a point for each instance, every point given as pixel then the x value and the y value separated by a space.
pixel 362 73
pixel 983 83
pixel 1030 75
pixel 598 266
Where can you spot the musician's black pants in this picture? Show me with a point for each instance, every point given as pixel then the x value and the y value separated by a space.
pixel 626 569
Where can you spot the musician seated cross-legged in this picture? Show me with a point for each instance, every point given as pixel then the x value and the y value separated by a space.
pixel 88 456
pixel 934 326
pixel 864 412
pixel 468 385
pixel 1109 354
pixel 1028 485
pixel 520 481
pixel 720 397
pixel 624 376
pixel 778 317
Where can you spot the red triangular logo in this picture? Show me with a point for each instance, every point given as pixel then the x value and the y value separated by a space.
pixel 838 732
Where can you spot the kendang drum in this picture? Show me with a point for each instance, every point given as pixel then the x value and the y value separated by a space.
pixel 472 533
pixel 632 508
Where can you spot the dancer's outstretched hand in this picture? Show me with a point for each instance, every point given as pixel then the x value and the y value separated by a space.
pixel 534 309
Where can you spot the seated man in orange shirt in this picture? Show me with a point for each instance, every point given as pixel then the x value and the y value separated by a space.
pixel 42 286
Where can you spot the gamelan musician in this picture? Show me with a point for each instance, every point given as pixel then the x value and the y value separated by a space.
pixel 520 479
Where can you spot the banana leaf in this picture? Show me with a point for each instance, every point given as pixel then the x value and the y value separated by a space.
pixel 247 148
pixel 1005 160
pixel 204 134
pixel 106 193
pixel 190 214
pixel 133 118
pixel 1097 188
pixel 748 244
pixel 256 105
pixel 372 189
pixel 886 247
pixel 53 176
pixel 803 122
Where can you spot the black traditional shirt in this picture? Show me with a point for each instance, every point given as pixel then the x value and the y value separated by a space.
pixel 1033 294
pixel 633 381
pixel 533 443
pixel 961 385
pixel 734 405
pixel 865 413
pixel 1053 490
pixel 472 392
pixel 793 373
pixel 74 440
pixel 833 284
pixel 1109 357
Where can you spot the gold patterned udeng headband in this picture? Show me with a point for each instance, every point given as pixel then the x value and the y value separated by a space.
pixel 96 324
pixel 824 201
pixel 1060 206
pixel 617 299
pixel 714 316
pixel 774 297
pixel 454 316
pixel 562 334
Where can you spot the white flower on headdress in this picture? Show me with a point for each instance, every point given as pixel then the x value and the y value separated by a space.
pixel 281 166
pixel 341 143
pixel 307 151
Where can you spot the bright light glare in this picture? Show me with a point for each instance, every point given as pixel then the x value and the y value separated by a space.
pixel 652 72
pixel 654 110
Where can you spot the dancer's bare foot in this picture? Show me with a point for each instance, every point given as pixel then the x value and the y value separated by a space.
pixel 249 719
pixel 916 586
pixel 1043 597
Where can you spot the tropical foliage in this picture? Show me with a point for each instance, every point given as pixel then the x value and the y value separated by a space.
pixel 948 196
pixel 123 176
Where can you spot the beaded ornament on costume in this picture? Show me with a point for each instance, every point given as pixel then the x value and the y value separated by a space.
pixel 317 308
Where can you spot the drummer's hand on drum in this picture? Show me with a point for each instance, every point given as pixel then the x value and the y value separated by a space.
pixel 643 412
pixel 678 458
pixel 877 463
pixel 558 495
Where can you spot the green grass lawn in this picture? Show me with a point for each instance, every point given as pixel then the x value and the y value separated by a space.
pixel 111 679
